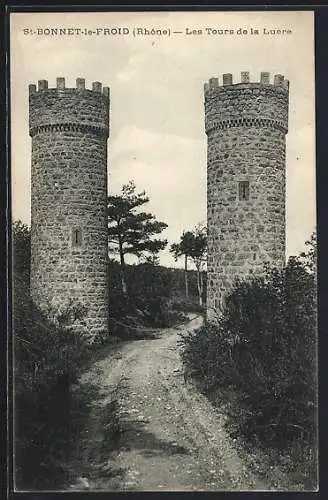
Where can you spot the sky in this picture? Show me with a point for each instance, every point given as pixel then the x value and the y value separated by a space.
pixel 157 135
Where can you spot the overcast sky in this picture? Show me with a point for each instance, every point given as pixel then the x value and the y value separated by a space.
pixel 157 135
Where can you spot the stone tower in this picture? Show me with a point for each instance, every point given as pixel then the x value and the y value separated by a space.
pixel 246 125
pixel 69 128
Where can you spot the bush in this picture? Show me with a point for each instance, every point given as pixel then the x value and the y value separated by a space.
pixel 263 348
pixel 148 303
pixel 148 280
pixel 184 305
pixel 22 251
pixel 47 359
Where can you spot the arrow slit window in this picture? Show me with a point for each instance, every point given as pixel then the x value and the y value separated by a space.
pixel 243 190
pixel 77 237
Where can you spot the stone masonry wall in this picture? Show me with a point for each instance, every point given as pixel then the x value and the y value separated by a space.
pixel 246 126
pixel 69 130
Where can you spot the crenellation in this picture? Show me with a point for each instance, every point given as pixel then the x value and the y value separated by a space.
pixel 227 79
pixel 265 78
pixel 285 84
pixel 68 108
pixel 244 77
pixel 213 83
pixel 106 92
pixel 97 87
pixel 278 80
pixel 32 88
pixel 206 87
pixel 245 82
pixel 42 84
pixel 80 83
pixel 60 83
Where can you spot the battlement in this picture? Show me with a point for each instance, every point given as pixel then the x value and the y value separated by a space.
pixel 76 109
pixel 279 81
pixel 247 104
pixel 60 86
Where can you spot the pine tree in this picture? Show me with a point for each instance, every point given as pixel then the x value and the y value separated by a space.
pixel 192 245
pixel 130 231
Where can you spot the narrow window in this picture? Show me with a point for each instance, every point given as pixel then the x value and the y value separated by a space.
pixel 244 190
pixel 77 237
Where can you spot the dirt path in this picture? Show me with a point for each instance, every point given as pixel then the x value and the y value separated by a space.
pixel 172 438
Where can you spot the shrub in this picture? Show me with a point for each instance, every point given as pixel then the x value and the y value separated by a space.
pixel 22 250
pixel 263 347
pixel 47 359
pixel 148 303
pixel 149 281
pixel 184 305
pixel 205 356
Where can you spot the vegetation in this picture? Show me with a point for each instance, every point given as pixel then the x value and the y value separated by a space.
pixel 182 249
pixel 193 245
pixel 48 359
pixel 198 253
pixel 22 251
pixel 263 350
pixel 132 232
pixel 155 300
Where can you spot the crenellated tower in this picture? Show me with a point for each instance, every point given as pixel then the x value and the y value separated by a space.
pixel 246 125
pixel 69 128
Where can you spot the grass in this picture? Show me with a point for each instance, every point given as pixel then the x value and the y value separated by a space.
pixel 291 468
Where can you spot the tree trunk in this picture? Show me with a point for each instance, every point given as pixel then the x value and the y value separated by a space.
pixel 200 287
pixel 186 277
pixel 123 276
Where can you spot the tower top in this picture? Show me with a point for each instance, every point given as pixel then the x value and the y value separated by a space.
pixel 60 86
pixel 279 81
pixel 263 103
pixel 62 108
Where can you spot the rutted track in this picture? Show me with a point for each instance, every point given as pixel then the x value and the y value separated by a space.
pixel 172 439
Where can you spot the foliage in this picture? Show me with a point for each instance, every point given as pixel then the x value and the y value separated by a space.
pixel 309 258
pixel 182 249
pixel 193 245
pixel 21 235
pixel 148 304
pixel 130 231
pixel 47 360
pixel 198 246
pixel 263 349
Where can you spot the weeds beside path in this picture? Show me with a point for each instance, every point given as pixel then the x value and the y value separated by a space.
pixel 149 431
